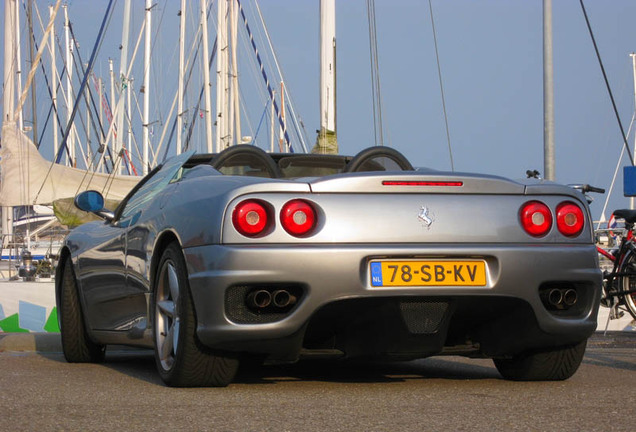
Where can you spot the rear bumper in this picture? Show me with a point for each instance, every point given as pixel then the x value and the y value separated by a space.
pixel 328 275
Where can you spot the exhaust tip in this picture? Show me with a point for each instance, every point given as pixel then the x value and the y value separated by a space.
pixel 555 297
pixel 283 298
pixel 561 298
pixel 570 297
pixel 259 299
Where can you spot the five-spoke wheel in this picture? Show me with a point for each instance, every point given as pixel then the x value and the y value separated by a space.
pixel 181 359
pixel 167 314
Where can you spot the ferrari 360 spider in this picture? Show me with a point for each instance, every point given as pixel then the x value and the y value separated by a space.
pixel 214 259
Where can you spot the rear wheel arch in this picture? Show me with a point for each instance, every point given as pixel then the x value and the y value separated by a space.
pixel 163 241
pixel 65 254
pixel 182 361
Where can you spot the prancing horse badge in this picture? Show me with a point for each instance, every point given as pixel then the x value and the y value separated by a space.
pixel 426 216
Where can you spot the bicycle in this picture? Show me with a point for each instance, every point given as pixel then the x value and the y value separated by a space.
pixel 619 285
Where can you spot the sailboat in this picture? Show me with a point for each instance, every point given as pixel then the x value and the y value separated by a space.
pixel 26 178
pixel 109 119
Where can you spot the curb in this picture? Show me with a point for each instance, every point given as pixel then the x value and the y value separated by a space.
pixel 52 342
pixel 30 342
pixel 613 339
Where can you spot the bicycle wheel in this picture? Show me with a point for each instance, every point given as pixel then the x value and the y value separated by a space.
pixel 628 283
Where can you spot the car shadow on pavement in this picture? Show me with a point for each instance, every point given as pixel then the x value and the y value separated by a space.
pixel 140 364
pixel 135 363
pixel 366 372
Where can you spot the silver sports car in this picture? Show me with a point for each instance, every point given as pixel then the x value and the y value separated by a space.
pixel 214 259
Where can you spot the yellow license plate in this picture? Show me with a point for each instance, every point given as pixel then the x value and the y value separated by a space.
pixel 428 273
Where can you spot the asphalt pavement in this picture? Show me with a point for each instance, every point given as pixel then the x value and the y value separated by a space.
pixel 41 391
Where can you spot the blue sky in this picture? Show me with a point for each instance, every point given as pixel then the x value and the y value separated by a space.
pixel 491 61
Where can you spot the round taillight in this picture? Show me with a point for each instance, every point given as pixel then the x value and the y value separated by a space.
pixel 298 217
pixel 250 218
pixel 570 219
pixel 536 218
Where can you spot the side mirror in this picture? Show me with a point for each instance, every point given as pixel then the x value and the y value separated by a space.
pixel 93 202
pixel 89 201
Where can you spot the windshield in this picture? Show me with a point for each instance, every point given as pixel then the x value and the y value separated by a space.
pixel 154 183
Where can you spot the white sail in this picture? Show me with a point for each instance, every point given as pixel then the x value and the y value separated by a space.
pixel 26 178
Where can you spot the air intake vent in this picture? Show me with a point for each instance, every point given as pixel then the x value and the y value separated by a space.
pixel 423 317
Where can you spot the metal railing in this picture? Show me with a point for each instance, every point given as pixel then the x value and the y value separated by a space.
pixel 14 246
pixel 11 249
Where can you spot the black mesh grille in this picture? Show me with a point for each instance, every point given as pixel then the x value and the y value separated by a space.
pixel 423 317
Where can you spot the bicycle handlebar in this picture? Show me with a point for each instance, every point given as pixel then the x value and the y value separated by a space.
pixel 595 189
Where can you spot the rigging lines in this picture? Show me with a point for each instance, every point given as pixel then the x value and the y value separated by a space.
pixel 441 87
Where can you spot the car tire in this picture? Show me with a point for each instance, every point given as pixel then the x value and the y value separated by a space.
pixel 181 359
pixel 76 344
pixel 549 365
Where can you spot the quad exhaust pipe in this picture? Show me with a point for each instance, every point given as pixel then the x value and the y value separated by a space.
pixel 561 298
pixel 261 299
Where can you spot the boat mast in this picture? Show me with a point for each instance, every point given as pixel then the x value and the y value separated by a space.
pixel 229 140
pixel 18 64
pixel 69 76
pixel 128 123
pixel 182 24
pixel 235 118
pixel 69 88
pixel 221 77
pixel 206 76
pixel 122 84
pixel 281 135
pixel 10 31
pixel 113 107
pixel 327 140
pixel 19 79
pixel 548 93
pixel 273 117
pixel 88 159
pixel 146 113
pixel 8 99
pixel 101 105
pixel 54 86
pixel 33 92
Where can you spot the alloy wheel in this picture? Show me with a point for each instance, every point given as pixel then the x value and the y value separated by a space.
pixel 167 317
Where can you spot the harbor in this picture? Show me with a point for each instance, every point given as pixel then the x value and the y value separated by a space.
pixel 233 255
